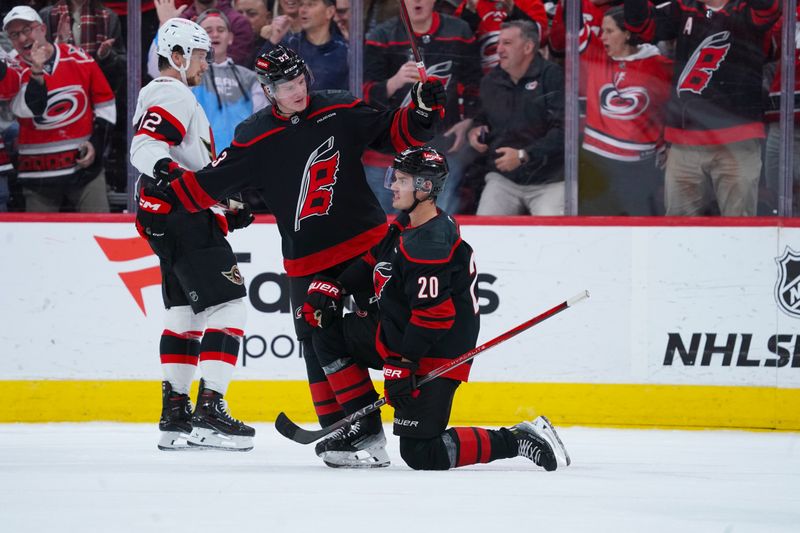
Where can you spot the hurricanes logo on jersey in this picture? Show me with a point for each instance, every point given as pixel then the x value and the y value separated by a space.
pixel 316 188
pixel 65 105
pixel 381 275
pixel 704 62
pixel 623 104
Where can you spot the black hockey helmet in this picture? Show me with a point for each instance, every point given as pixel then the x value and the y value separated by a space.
pixel 425 164
pixel 279 64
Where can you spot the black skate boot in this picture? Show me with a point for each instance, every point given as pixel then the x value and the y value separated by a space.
pixel 538 441
pixel 359 445
pixel 213 427
pixel 176 419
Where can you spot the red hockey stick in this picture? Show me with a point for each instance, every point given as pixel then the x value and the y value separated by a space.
pixel 292 431
pixel 423 74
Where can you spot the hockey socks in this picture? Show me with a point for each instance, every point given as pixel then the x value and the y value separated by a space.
pixel 351 386
pixel 179 358
pixel 328 411
pixel 472 445
pixel 219 350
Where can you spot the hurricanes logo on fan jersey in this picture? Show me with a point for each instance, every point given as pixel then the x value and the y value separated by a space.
pixel 381 275
pixel 705 60
pixel 316 189
pixel 623 104
pixel 65 105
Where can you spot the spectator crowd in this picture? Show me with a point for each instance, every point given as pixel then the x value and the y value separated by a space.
pixel 679 100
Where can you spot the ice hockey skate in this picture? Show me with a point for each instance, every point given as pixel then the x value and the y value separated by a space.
pixel 539 442
pixel 213 427
pixel 176 419
pixel 359 445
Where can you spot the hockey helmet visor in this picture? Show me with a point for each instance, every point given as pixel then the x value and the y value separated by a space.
pixel 426 167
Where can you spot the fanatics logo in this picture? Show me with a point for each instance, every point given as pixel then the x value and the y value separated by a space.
pixel 131 249
pixel 787 289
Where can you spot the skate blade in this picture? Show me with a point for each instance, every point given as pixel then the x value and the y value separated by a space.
pixel 212 440
pixel 171 441
pixel 371 457
pixel 548 432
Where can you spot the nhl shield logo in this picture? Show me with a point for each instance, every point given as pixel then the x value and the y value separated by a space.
pixel 787 289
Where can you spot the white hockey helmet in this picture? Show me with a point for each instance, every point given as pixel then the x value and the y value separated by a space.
pixel 186 34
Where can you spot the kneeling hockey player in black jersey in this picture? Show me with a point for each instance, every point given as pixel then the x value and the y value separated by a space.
pixel 422 276
pixel 303 155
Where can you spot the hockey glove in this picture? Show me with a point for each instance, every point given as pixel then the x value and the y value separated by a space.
pixel 241 218
pixel 151 215
pixel 427 98
pixel 323 302
pixel 165 171
pixel 399 382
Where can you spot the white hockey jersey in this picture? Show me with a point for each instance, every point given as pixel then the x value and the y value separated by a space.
pixel 171 124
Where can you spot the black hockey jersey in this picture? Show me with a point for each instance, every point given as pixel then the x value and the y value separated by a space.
pixel 716 96
pixel 424 281
pixel 308 170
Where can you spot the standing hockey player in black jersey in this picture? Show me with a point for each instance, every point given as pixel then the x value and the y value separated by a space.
pixel 200 279
pixel 303 155
pixel 422 275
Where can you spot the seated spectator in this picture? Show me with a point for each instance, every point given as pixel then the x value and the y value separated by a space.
pixel 450 55
pixel 486 16
pixel 241 51
pixel 259 14
pixel 320 44
pixel 520 128
pixel 627 92
pixel 229 93
pixel 715 115
pixel 60 153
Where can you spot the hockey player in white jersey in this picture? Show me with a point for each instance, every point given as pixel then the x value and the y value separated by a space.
pixel 202 287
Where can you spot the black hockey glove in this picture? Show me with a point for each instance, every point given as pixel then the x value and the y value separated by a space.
pixel 151 215
pixel 241 218
pixel 323 303
pixel 399 382
pixel 428 98
pixel 165 171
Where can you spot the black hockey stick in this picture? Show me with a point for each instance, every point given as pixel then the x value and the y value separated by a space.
pixel 423 74
pixel 292 431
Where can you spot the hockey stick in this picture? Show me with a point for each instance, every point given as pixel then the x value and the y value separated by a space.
pixel 292 431
pixel 423 74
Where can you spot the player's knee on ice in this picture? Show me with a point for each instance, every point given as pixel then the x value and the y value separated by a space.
pixel 425 454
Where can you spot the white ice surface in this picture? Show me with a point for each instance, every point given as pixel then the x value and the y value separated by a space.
pixel 111 478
